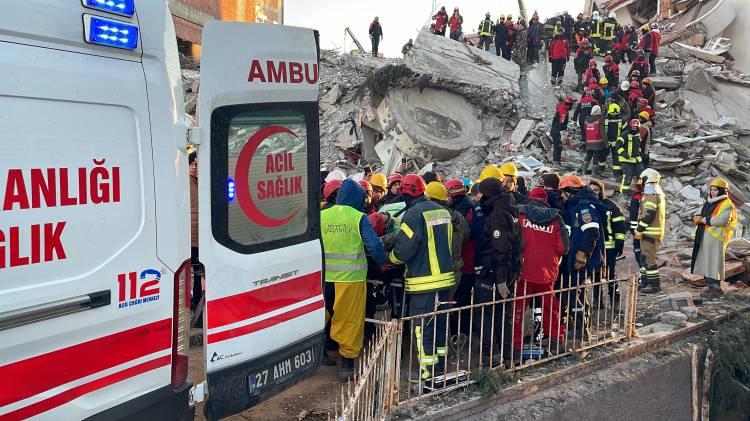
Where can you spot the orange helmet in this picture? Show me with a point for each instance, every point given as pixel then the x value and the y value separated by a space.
pixel 571 181
pixel 413 185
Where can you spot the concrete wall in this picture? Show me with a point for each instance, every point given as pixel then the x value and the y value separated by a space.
pixel 739 32
pixel 190 15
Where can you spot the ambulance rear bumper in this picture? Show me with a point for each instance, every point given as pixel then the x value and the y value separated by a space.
pixel 166 403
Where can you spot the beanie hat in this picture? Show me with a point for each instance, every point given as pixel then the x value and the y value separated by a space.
pixel 551 180
pixel 490 187
pixel 539 195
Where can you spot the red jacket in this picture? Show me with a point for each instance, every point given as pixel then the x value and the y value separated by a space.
pixel 655 41
pixel 454 23
pixel 559 49
pixel 440 20
pixel 545 242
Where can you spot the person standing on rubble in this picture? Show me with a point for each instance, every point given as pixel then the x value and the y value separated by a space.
pixel 438 193
pixel 545 243
pixel 643 107
pixel 714 228
pixel 650 229
pixel 629 154
pixel 501 245
pixel 620 97
pixel 645 44
pixel 534 39
pixel 613 126
pixel 567 23
pixel 347 235
pixel 455 23
pixel 609 32
pixel 655 42
pixel 583 110
pixel 640 65
pixel 583 57
pixel 486 29
pixel 646 126
pixel 441 20
pixel 423 244
pixel 596 149
pixel 559 55
pixel 614 240
pixel 611 72
pixel 508 45
pixel 582 215
pixel 376 35
pixel 597 91
pixel 597 27
pixel 560 123
pixel 520 46
pixel 648 92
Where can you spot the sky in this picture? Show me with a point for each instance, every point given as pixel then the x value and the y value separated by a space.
pixel 400 19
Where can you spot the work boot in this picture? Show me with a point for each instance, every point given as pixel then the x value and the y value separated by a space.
pixel 347 369
pixel 327 360
pixel 652 287
pixel 712 292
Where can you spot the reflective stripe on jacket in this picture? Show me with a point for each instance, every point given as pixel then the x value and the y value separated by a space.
pixel 629 148
pixel 345 259
pixel 652 215
pixel 724 232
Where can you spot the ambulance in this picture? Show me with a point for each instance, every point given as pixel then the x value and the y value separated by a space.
pixel 95 272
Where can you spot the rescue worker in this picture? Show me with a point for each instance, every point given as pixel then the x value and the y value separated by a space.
pixel 330 191
pixel 567 23
pixel 643 107
pixel 629 154
pixel 646 127
pixel 485 32
pixel 460 203
pixel 582 215
pixel 379 185
pixel 597 27
pixel 611 72
pixel 636 195
pixel 456 21
pixel 423 244
pixel 596 90
pixel 580 25
pixel 633 94
pixel 583 110
pixel 596 148
pixel 648 91
pixel 592 72
pixel 511 39
pixel 500 246
pixel 632 44
pixel 559 55
pixel 406 48
pixel 604 85
pixel 608 33
pixel 347 235
pixel 620 97
pixel 370 207
pixel 376 35
pixel 545 243
pixel 437 193
pixel 500 35
pixel 714 228
pixel 650 230
pixel 583 57
pixel 613 126
pixel 441 22
pixel 655 42
pixel 394 189
pixel 520 46
pixel 614 241
pixel 534 39
pixel 560 123
pixel 509 172
pixel 641 65
pixel 551 184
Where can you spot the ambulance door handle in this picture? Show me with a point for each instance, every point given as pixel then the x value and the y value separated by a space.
pixel 53 309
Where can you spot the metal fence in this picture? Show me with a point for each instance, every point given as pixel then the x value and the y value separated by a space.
pixel 402 364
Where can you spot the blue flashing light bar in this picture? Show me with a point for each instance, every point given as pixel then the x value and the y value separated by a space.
pixel 111 33
pixel 120 7
pixel 231 194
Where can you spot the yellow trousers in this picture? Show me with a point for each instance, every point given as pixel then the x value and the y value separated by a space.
pixel 348 319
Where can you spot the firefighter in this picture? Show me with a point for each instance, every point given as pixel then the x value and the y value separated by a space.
pixel 597 27
pixel 613 126
pixel 596 90
pixel 500 246
pixel 604 86
pixel 714 228
pixel 545 243
pixel 609 31
pixel 330 191
pixel 596 148
pixel 650 230
pixel 379 185
pixel 614 240
pixel 655 42
pixel 441 22
pixel 510 180
pixel 560 123
pixel 611 72
pixel 636 195
pixel 437 193
pixel 633 94
pixel 620 97
pixel 629 154
pixel 646 127
pixel 559 55
pixel 485 32
pixel 583 110
pixel 347 235
pixel 423 244
pixel 582 215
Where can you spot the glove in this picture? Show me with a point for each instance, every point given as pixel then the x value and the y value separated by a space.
pixel 503 289
pixel 697 219
pixel 638 235
pixel 580 260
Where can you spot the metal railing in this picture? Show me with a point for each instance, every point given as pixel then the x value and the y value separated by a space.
pixel 509 334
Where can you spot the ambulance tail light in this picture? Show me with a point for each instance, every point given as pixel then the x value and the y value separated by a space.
pixel 181 324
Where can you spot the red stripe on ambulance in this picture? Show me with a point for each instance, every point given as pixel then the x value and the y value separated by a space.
pixel 265 323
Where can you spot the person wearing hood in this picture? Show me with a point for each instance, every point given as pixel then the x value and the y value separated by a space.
pixel 614 241
pixel 714 228
pixel 611 72
pixel 596 148
pixel 348 238
pixel 423 244
pixel 501 245
pixel 545 243
pixel 560 123
pixel 650 229
pixel 641 65
pixel 586 255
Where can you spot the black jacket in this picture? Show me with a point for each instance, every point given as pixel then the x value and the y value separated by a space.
pixel 501 243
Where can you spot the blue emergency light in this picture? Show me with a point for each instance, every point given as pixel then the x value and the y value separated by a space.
pixel 230 190
pixel 120 7
pixel 111 33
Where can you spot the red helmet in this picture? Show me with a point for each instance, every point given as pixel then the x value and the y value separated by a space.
pixel 366 184
pixel 635 123
pixel 455 187
pixel 608 59
pixel 413 185
pixel 635 85
pixel 330 188
pixel 394 178
pixel 642 101
pixel 569 100
pixel 592 63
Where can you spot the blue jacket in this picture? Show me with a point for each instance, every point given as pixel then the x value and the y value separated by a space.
pixel 583 214
pixel 353 195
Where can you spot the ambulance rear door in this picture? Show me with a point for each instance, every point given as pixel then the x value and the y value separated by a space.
pixel 258 163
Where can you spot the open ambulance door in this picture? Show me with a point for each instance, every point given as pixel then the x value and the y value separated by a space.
pixel 258 162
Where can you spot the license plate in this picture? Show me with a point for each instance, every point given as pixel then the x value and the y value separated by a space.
pixel 280 371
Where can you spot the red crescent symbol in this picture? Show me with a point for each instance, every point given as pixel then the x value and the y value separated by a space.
pixel 241 178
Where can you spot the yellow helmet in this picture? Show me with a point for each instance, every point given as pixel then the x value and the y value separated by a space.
pixel 490 171
pixel 379 180
pixel 603 81
pixel 645 27
pixel 437 191
pixel 720 183
pixel 644 115
pixel 509 169
pixel 614 109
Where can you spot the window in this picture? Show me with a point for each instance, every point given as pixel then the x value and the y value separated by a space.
pixel 265 160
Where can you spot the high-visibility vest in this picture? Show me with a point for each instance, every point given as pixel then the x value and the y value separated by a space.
pixel 617 122
pixel 724 233
pixel 658 203
pixel 612 237
pixel 609 31
pixel 596 29
pixel 630 151
pixel 345 259
pixel 485 28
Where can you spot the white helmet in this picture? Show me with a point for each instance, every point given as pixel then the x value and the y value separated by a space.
pixel 596 13
pixel 650 175
pixel 335 175
pixel 612 15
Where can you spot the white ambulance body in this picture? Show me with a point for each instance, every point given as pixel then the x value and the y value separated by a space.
pixel 94 213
